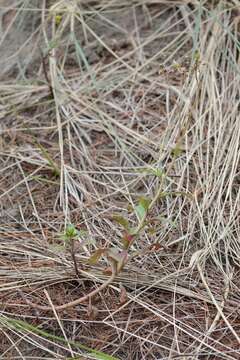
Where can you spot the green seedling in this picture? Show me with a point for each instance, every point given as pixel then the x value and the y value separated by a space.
pixel 70 236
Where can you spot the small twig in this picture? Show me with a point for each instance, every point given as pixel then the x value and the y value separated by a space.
pixel 77 301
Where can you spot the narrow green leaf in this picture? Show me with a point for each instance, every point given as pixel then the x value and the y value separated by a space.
pixel 159 173
pixel 121 221
pixel 53 44
pixel 95 257
pixel 133 231
pixel 163 194
pixel 24 326
pixel 42 179
pixel 153 171
pixel 177 151
pixel 58 19
pixel 142 207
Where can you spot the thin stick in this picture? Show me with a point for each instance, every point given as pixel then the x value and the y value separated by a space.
pixel 77 301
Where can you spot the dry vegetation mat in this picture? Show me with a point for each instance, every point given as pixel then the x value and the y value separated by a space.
pixel 119 179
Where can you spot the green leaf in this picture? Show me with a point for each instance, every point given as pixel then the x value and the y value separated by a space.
pixel 163 194
pixel 197 55
pixel 159 173
pixel 133 231
pixel 177 151
pixel 20 325
pixel 42 179
pixel 152 230
pixel 122 221
pixel 95 257
pixel 129 208
pixel 71 232
pixel 53 44
pixel 153 171
pixel 142 207
pixel 58 19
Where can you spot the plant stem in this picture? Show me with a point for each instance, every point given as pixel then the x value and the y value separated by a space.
pixel 74 258
pixel 81 299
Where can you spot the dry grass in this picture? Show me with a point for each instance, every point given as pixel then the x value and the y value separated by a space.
pixel 96 98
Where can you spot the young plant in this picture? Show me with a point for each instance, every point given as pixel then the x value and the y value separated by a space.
pixel 70 236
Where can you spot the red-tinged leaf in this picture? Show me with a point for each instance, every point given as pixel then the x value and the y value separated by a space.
pixel 108 270
pixel 95 257
pixel 155 247
pixel 127 240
